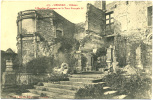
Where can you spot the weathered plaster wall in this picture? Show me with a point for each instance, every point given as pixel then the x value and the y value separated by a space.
pixel 131 23
pixel 130 15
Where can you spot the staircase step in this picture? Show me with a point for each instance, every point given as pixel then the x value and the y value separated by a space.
pixel 53 95
pixel 80 84
pixel 30 95
pixel 109 92
pixel 94 83
pixel 85 80
pixel 87 76
pixel 61 86
pixel 119 97
pixel 56 90
pixel 106 87
pixel 67 89
pixel 47 93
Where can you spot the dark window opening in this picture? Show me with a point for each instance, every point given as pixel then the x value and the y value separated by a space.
pixel 58 33
pixel 127 2
pixel 115 6
pixel 150 16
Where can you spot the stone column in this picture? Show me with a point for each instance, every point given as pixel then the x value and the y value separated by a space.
pixel 138 57
pixel 9 65
pixel 128 50
pixel 109 56
pixel 115 63
pixel 89 66
pixel 79 67
pixel 79 63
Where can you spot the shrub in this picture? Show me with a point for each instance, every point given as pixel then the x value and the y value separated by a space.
pixel 58 77
pixel 136 87
pixel 44 89
pixel 91 92
pixel 114 80
pixel 43 95
pixel 40 65
pixel 40 84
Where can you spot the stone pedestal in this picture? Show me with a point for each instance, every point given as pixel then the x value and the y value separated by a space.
pixel 9 76
pixel 109 64
pixel 8 79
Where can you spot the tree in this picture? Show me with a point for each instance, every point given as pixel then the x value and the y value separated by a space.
pixel 40 65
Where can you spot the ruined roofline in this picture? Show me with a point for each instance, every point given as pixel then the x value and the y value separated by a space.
pixel 113 5
pixel 90 5
pixel 39 15
pixel 110 5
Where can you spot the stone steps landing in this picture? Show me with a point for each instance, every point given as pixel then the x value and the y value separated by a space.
pixel 84 80
pixel 62 86
pixel 67 89
pixel 55 90
pixel 87 75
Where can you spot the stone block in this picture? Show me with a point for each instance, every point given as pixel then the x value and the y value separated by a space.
pixel 8 79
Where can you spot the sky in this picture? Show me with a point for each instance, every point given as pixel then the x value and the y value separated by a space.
pixel 10 9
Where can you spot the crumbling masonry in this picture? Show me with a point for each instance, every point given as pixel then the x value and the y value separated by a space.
pixel 120 32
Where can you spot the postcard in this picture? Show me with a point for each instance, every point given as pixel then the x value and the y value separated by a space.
pixel 76 49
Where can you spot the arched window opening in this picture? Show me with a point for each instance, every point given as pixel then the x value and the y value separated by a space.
pixel 59 33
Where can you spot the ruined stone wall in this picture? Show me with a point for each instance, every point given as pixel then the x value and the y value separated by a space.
pixel 45 25
pixel 95 20
pixel 26 50
pixel 131 23
pixel 98 4
pixel 42 42
pixel 67 27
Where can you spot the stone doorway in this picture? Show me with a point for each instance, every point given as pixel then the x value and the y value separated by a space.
pixel 99 60
pixel 94 61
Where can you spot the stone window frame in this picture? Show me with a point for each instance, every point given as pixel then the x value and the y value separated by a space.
pixel 109 20
pixel 60 31
pixel 109 14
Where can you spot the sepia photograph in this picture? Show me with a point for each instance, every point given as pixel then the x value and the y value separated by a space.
pixel 76 49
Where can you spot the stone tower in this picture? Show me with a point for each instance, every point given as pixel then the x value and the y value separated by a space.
pixel 37 31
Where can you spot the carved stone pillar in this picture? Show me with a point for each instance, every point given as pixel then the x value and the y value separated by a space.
pixel 138 57
pixel 109 56
pixel 115 63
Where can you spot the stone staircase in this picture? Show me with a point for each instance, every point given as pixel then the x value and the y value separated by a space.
pixel 67 89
